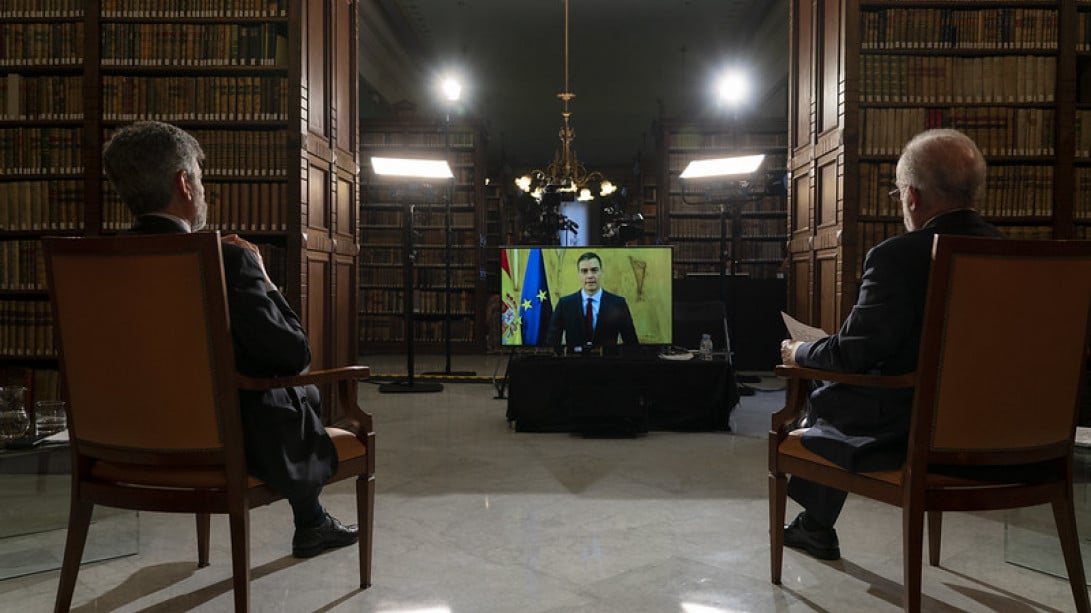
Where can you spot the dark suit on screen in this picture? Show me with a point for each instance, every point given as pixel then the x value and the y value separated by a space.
pixel 614 319
pixel 866 429
pixel 286 443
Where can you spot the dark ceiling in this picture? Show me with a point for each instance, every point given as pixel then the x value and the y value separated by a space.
pixel 630 62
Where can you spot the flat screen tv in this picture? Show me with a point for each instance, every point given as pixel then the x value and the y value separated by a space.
pixel 533 280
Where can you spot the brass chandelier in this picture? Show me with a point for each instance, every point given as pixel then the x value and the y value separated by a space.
pixel 565 174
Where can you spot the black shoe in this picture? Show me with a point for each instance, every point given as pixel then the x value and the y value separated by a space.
pixel 820 543
pixel 327 534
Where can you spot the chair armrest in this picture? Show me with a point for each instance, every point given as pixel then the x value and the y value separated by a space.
pixel 814 374
pixel 785 420
pixel 317 377
pixel 355 420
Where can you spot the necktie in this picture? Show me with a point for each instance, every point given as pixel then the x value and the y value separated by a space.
pixel 589 317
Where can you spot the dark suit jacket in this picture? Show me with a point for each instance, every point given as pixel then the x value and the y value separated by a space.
pixel 866 429
pixel 286 443
pixel 614 320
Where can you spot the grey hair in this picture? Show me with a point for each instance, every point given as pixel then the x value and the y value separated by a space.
pixel 945 163
pixel 142 159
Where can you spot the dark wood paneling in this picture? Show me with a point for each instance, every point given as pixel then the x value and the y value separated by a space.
pixel 318 194
pixel 827 194
pixel 799 298
pixel 829 64
pixel 317 308
pixel 802 86
pixel 826 286
pixel 317 66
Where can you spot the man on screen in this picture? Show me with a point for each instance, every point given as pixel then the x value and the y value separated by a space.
pixel 591 316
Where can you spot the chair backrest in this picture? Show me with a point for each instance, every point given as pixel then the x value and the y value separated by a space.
pixel 145 348
pixel 1003 351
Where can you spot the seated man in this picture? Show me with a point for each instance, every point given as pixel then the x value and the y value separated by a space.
pixel 939 176
pixel 591 317
pixel 156 169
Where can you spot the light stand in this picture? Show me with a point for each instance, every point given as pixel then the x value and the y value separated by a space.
pixel 735 173
pixel 422 170
pixel 447 257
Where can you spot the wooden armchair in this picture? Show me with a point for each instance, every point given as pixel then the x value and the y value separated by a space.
pixel 1002 357
pixel 146 354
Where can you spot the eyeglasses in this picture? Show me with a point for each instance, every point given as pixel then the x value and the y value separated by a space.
pixel 895 194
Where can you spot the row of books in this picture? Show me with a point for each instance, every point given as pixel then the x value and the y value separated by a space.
pixel 747 250
pixel 1082 132
pixel 391 328
pixel 36 151
pixel 41 97
pixel 243 153
pixel 194 8
pixel 437 137
pixel 26 328
pixel 41 384
pixel 709 227
pixel 47 9
pixel 382 301
pixel 997 131
pixel 951 28
pixel 1083 30
pixel 41 205
pixel 423 235
pixel 194 98
pixel 736 142
pixel 431 277
pixel 1082 208
pixel 234 207
pixel 912 79
pixel 22 265
pixel 430 217
pixel 701 202
pixel 34 44
pixel 189 44
pixel 461 255
pixel 1010 191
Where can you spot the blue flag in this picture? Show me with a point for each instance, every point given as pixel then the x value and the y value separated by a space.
pixel 535 306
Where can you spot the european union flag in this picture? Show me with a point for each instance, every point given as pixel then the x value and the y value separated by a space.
pixel 535 307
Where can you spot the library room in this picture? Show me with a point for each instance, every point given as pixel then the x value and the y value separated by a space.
pixel 409 306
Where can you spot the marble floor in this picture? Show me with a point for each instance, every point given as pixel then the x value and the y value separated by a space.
pixel 474 518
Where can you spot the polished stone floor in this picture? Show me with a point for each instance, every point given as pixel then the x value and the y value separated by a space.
pixel 474 518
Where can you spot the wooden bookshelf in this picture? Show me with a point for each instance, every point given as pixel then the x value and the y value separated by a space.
pixel 268 88
pixel 866 75
pixel 383 209
pixel 694 229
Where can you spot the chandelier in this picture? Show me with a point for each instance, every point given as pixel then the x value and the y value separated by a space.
pixel 565 174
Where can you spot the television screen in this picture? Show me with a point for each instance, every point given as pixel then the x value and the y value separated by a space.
pixel 542 305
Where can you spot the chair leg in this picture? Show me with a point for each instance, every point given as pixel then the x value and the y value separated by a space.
pixel 240 559
pixel 912 543
pixel 778 497
pixel 935 528
pixel 365 517
pixel 203 521
pixel 1065 515
pixel 79 520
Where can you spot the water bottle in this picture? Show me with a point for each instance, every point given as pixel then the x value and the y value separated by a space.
pixel 704 350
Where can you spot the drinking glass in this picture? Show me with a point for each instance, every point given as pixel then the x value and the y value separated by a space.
pixel 49 417
pixel 14 422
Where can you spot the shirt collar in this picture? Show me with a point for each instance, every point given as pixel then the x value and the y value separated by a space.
pixel 185 224
pixel 595 297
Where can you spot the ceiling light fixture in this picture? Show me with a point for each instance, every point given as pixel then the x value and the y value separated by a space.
pixel 565 175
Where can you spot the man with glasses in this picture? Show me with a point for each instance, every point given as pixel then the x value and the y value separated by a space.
pixel 939 176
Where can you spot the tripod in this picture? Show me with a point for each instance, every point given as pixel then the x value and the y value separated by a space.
pixel 409 385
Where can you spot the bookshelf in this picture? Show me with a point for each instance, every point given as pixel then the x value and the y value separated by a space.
pixel 268 88
pixel 866 75
pixel 383 208
pixel 694 230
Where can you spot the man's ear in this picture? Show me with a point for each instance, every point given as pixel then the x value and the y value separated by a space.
pixel 181 183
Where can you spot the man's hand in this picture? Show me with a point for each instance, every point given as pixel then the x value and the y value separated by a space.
pixel 238 241
pixel 788 352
